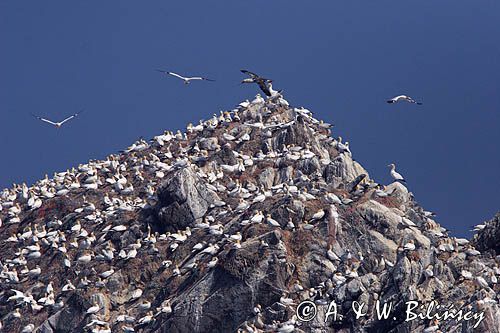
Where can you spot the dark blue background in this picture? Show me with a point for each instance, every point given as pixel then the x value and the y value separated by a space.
pixel 341 59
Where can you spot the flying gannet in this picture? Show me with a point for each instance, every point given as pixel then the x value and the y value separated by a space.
pixel 403 98
pixel 58 124
pixel 186 80
pixel 262 82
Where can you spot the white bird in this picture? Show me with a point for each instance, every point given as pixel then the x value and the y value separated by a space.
pixel 318 215
pixel 28 328
pixel 257 218
pixel 212 262
pixel 272 222
pixel 396 176
pixel 479 227
pixel 58 124
pixel 403 98
pixel 184 78
pixel 93 309
pixel 410 246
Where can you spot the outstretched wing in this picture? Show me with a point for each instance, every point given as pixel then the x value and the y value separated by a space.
pixel 176 75
pixel 251 74
pixel 44 120
pixel 263 86
pixel 411 100
pixel 200 78
pixel 71 117
pixel 171 73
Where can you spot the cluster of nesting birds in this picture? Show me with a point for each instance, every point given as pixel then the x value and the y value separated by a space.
pixel 95 233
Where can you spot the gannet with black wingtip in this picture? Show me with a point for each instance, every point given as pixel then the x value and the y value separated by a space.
pixel 58 124
pixel 395 175
pixel 186 80
pixel 403 98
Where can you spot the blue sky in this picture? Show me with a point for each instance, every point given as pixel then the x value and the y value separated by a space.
pixel 341 60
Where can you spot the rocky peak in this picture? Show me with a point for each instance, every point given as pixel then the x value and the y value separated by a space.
pixel 227 227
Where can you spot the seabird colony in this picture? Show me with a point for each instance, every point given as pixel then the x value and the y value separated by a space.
pixel 85 219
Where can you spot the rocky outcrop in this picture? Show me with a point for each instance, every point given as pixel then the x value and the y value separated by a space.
pixel 183 199
pixel 488 239
pixel 229 227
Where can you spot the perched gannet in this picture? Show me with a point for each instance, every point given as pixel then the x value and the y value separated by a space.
pixel 403 98
pixel 410 246
pixel 212 262
pixel 318 215
pixel 146 319
pixel 93 309
pixel 58 124
pixel 187 80
pixel 28 328
pixel 396 176
pixel 479 227
pixel 272 222
pixel 257 218
pixel 286 301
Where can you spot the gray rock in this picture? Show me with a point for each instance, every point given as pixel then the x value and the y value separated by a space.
pixel 182 200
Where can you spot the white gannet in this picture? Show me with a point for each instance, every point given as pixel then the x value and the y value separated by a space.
pixel 58 124
pixel 479 227
pixel 395 175
pixel 403 98
pixel 93 309
pixel 212 262
pixel 410 246
pixel 186 79
pixel 272 222
pixel 318 215
pixel 257 218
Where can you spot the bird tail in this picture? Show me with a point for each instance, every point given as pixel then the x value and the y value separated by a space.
pixel 419 103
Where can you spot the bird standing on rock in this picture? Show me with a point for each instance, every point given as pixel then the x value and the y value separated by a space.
pixel 396 176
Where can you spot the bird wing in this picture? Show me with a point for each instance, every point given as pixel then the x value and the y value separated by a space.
pixel 71 117
pixel 263 86
pixel 254 76
pixel 251 74
pixel 411 100
pixel 45 120
pixel 199 78
pixel 177 75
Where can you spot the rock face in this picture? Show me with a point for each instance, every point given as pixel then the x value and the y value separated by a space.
pixel 183 199
pixel 229 227
pixel 488 239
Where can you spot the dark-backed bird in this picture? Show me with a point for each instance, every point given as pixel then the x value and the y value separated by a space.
pixel 403 98
pixel 262 82
pixel 57 124
pixel 184 78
